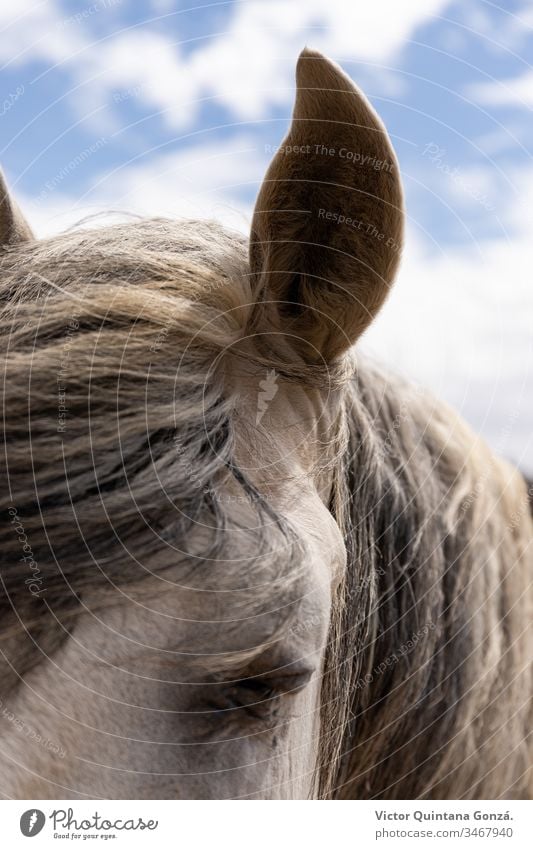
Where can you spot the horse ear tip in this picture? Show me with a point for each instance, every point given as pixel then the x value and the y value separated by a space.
pixel 316 71
pixel 13 226
pixel 310 53
pixel 310 63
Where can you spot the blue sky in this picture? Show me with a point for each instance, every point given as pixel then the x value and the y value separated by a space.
pixel 169 108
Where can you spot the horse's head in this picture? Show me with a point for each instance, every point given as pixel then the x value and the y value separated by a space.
pixel 173 555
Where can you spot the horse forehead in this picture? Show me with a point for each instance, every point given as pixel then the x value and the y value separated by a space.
pixel 317 551
pixel 263 573
pixel 323 539
pixel 286 439
pixel 243 601
pixel 315 545
pixel 284 431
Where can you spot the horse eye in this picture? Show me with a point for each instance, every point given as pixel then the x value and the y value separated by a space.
pixel 260 695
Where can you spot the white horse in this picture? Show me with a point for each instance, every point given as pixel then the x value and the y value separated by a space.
pixel 237 561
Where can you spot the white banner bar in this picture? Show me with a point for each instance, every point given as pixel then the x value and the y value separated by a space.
pixel 262 825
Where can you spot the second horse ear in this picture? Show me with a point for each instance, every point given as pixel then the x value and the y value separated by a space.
pixel 328 222
pixel 13 226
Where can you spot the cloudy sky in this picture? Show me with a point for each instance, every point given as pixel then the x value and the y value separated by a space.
pixel 169 107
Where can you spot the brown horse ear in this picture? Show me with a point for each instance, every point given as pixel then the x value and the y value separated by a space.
pixel 13 226
pixel 328 221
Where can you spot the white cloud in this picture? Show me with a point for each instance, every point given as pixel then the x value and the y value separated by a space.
pixel 204 181
pixel 148 66
pixel 516 91
pixel 461 324
pixel 248 69
pixel 31 31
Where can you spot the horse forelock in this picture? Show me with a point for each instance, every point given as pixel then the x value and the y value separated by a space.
pixel 126 327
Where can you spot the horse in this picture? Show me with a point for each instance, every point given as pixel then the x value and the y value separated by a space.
pixel 238 559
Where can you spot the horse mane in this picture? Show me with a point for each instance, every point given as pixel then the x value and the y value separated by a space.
pixel 429 687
